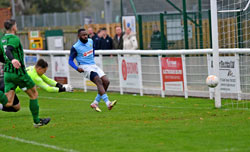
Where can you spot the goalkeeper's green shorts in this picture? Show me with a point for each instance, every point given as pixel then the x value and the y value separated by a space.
pixel 12 80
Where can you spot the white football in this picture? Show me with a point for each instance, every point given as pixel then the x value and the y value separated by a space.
pixel 212 81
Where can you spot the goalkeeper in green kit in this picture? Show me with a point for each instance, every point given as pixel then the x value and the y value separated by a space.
pixel 37 74
pixel 15 73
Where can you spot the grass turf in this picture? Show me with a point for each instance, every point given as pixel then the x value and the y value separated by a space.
pixel 148 124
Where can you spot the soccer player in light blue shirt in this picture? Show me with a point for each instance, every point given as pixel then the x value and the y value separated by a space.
pixel 84 54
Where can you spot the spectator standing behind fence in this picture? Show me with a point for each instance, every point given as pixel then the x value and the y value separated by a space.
pixel 129 40
pixel 97 40
pixel 91 33
pixel 155 43
pixel 106 40
pixel 118 39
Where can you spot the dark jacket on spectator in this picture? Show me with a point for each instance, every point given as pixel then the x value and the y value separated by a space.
pixel 97 42
pixel 118 44
pixel 92 36
pixel 155 43
pixel 106 44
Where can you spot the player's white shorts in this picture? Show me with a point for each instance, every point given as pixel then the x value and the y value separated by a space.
pixel 89 68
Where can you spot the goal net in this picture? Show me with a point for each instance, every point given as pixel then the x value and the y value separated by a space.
pixel 234 68
pixel 234 23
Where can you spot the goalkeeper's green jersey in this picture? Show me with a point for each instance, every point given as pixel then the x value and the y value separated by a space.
pixel 14 41
pixel 41 81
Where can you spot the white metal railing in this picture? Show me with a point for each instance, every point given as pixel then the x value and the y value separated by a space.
pixel 195 70
pixel 144 52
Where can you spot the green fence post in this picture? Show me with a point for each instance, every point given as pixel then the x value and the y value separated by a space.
pixel 210 29
pixel 239 29
pixel 133 7
pixel 185 23
pixel 140 31
pixel 200 25
pixel 196 33
pixel 163 42
pixel 179 10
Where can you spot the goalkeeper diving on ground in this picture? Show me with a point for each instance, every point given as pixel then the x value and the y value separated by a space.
pixel 37 74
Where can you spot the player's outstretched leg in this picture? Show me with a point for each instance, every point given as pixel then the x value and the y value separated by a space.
pixel 112 104
pixel 14 108
pixel 95 78
pixel 95 104
pixel 105 82
pixel 10 96
pixel 42 122
pixel 101 90
pixel 34 108
pixel 98 98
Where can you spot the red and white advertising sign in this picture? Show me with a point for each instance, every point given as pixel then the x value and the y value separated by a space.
pixel 172 73
pixel 130 72
pixel 228 74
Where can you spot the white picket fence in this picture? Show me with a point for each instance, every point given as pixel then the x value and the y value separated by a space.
pixel 196 67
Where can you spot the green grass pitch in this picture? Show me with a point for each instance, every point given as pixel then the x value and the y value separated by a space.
pixel 135 124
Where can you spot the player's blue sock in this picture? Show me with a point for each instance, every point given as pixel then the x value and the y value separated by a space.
pixel 105 98
pixel 98 97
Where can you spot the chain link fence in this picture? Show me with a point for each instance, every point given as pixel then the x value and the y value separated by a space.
pixel 52 19
pixel 167 31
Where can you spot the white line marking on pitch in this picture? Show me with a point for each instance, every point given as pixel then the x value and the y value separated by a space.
pixel 37 144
